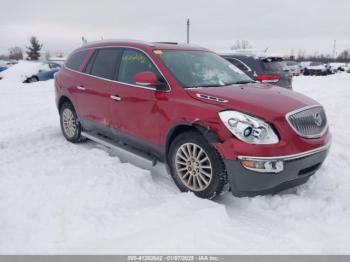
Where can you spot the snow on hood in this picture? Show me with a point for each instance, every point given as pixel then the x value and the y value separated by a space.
pixel 23 70
pixel 262 100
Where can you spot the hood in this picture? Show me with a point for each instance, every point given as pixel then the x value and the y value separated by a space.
pixel 264 100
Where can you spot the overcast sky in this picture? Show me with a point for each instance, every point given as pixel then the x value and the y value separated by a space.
pixel 311 25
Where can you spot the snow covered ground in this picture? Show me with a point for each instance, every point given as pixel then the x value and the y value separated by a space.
pixel 60 198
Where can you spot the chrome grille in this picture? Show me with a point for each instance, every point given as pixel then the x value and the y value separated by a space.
pixel 309 122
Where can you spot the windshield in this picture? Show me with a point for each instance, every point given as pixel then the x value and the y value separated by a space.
pixel 315 64
pixel 201 69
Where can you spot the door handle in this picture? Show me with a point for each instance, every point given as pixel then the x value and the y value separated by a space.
pixel 81 88
pixel 116 98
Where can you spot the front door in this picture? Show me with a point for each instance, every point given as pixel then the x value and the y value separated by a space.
pixel 134 108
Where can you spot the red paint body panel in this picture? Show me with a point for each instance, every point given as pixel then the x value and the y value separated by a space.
pixel 149 115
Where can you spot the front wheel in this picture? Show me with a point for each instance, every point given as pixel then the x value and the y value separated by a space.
pixel 196 166
pixel 70 125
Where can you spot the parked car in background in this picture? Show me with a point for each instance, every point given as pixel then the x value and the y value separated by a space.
pixel 261 66
pixel 294 67
pixel 338 66
pixel 2 68
pixel 214 127
pixel 44 75
pixel 315 68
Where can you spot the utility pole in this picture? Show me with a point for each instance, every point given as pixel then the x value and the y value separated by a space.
pixel 334 49
pixel 188 31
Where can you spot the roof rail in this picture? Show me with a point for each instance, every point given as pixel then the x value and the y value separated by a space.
pixel 168 43
pixel 118 40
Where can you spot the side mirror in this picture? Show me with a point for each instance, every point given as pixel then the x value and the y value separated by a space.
pixel 148 78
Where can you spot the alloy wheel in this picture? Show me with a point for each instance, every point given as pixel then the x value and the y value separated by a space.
pixel 193 166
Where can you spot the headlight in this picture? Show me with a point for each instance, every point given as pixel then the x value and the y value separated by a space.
pixel 249 129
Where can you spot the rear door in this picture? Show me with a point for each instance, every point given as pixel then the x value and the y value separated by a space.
pixel 134 108
pixel 96 88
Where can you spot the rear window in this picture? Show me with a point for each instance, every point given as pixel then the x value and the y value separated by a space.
pixel 75 60
pixel 273 64
pixel 104 62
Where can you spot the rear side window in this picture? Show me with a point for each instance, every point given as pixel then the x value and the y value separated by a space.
pixel 75 60
pixel 103 63
pixel 134 62
pixel 239 64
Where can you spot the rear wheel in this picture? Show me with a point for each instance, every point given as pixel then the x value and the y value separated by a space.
pixel 70 125
pixel 196 166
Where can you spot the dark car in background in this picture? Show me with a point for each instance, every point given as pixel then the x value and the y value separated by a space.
pixel 261 66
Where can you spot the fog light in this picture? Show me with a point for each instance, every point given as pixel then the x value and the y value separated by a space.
pixel 264 166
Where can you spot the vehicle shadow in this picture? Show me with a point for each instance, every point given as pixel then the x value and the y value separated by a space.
pixel 158 172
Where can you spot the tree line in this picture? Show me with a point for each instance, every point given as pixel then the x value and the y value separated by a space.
pixel 32 51
pixel 343 57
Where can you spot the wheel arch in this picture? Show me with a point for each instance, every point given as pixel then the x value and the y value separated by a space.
pixel 62 100
pixel 179 128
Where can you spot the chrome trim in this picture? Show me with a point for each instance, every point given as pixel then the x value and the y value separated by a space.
pixel 288 157
pixel 304 109
pixel 211 98
pixel 115 98
pixel 118 82
pixel 81 88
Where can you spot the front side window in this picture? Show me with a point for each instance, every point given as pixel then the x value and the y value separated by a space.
pixel 103 63
pixel 201 69
pixel 132 63
pixel 75 60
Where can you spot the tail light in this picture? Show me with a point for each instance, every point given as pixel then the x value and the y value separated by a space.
pixel 268 78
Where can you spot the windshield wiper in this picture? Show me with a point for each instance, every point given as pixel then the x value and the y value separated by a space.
pixel 243 82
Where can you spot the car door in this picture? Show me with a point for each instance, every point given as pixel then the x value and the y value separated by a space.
pixel 134 109
pixel 96 88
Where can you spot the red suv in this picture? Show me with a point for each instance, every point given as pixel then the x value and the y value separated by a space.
pixel 214 127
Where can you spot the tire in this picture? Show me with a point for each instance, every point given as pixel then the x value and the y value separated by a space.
pixel 70 126
pixel 193 173
pixel 33 79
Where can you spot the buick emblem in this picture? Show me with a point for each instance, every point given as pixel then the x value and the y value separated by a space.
pixel 318 119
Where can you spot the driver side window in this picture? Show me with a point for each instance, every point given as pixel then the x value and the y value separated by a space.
pixel 132 63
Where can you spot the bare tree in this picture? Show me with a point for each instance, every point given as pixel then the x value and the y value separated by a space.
pixel 344 56
pixel 16 53
pixel 241 44
pixel 4 57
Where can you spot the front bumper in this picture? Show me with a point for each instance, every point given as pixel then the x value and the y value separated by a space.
pixel 297 170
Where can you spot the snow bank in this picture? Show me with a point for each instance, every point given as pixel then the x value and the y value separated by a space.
pixel 22 70
pixel 61 198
